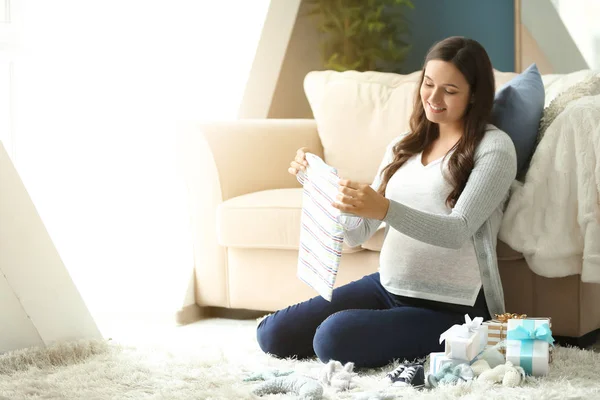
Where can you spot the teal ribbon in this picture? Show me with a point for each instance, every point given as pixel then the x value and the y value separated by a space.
pixel 527 333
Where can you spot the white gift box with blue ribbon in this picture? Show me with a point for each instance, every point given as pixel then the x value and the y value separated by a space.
pixel 466 341
pixel 527 342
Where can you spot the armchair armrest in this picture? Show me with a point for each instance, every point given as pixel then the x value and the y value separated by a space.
pixel 253 155
pixel 219 161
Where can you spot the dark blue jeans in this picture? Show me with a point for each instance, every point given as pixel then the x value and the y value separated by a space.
pixel 363 324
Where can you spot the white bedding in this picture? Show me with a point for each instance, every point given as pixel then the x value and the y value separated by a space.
pixel 554 217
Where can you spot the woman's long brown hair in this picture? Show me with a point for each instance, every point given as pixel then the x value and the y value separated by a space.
pixel 472 61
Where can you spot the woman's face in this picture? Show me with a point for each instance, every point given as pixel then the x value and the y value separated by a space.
pixel 445 93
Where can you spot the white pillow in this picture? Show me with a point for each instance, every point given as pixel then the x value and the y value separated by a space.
pixel 357 115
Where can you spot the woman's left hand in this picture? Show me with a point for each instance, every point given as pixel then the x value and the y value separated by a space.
pixel 360 199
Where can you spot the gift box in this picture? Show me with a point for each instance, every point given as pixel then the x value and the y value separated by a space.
pixel 438 360
pixel 527 344
pixel 497 330
pixel 464 342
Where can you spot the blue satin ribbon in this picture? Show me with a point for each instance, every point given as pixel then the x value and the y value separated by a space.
pixel 527 333
pixel 523 332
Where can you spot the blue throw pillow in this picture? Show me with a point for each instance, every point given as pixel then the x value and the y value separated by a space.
pixel 517 110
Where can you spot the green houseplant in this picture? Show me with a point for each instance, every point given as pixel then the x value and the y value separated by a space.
pixel 362 35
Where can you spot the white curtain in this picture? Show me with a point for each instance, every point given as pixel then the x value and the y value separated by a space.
pixel 99 86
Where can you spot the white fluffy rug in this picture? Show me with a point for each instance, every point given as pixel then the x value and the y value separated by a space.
pixel 199 368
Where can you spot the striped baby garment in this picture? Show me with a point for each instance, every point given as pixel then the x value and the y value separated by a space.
pixel 321 234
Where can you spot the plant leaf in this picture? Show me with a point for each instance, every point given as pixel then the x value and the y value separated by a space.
pixel 362 34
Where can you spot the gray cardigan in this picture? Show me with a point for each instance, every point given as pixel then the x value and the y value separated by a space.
pixel 476 215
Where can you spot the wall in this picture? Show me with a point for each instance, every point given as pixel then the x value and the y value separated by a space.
pixel 489 22
pixel 302 56
pixel 580 17
pixel 39 303
pixel 546 38
pixel 531 53
pixel 268 59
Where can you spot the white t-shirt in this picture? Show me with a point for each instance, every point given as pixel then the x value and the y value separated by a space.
pixel 412 268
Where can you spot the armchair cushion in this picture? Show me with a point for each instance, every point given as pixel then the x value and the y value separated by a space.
pixel 269 219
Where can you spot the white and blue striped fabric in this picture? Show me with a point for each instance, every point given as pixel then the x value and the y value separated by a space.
pixel 321 234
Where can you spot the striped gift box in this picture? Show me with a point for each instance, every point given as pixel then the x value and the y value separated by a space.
pixel 496 332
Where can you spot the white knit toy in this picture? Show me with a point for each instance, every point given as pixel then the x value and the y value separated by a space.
pixel 338 376
pixel 333 374
pixel 306 388
pixel 509 374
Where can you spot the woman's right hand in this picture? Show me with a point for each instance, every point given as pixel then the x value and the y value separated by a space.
pixel 299 162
